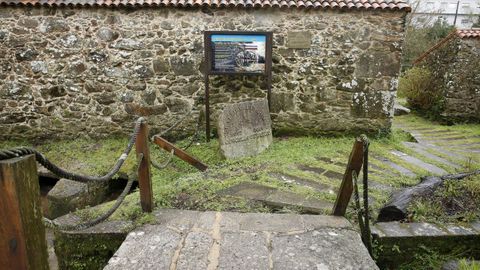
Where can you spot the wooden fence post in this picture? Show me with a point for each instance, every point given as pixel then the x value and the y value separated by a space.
pixel 144 175
pixel 355 162
pixel 22 233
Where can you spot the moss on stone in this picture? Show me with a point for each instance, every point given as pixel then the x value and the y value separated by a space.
pixel 86 251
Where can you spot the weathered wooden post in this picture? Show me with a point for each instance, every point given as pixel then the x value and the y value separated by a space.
pixel 355 162
pixel 144 175
pixel 22 233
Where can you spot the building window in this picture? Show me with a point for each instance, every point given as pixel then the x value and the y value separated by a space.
pixel 465 21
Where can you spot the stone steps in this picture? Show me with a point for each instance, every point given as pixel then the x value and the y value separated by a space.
pixel 442 150
pixel 410 237
pixel 277 198
pixel 321 171
pixel 419 163
pixel 402 170
pixel 421 150
pixel 292 179
pixel 183 240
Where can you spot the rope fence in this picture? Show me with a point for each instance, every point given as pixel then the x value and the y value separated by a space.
pixel 142 155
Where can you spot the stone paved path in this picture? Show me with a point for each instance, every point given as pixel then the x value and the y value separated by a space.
pixel 312 187
pixel 243 241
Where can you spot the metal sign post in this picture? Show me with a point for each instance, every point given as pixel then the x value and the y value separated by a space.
pixel 236 53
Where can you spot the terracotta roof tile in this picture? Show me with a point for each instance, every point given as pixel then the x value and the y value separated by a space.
pixel 342 4
pixel 469 33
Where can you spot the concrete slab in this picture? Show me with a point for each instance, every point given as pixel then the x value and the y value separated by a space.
pixel 261 241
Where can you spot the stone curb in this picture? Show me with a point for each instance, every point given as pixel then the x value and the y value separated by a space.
pixel 398 242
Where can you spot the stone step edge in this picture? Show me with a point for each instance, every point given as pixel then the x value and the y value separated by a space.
pixel 423 229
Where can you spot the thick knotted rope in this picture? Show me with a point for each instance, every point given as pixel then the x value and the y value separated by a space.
pixel 51 224
pixel 21 151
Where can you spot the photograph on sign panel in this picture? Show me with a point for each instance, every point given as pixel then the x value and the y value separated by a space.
pixel 238 53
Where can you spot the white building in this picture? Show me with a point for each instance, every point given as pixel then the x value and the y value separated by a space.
pixel 461 13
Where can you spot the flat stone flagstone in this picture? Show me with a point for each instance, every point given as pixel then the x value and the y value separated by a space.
pixel 419 163
pixel 321 171
pixel 277 198
pixel 419 149
pixel 291 179
pixel 402 170
pixel 317 170
pixel 244 241
pixel 440 149
pixel 330 161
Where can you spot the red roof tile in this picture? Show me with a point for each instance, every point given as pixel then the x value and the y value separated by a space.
pixel 323 4
pixel 469 33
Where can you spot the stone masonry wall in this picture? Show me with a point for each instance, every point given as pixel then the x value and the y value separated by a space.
pixel 455 66
pixel 91 71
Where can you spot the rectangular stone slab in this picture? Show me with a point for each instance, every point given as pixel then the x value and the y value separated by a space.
pixel 262 241
pixel 244 129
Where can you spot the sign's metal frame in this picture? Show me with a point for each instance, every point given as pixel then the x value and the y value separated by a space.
pixel 209 67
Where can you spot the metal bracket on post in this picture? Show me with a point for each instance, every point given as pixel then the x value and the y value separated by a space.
pixel 144 175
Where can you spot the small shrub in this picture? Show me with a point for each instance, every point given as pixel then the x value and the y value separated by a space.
pixel 421 91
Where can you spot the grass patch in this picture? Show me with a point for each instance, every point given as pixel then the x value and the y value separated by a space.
pixel 182 186
pixel 427 259
pixel 456 201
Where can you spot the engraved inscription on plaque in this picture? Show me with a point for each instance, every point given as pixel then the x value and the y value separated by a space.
pixel 244 129
pixel 299 40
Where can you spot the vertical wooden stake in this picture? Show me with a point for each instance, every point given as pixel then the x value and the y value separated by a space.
pixel 207 107
pixel 22 234
pixel 144 176
pixel 346 188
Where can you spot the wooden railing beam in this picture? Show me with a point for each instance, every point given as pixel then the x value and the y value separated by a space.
pixel 355 162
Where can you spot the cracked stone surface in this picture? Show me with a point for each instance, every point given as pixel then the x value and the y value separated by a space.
pixel 184 239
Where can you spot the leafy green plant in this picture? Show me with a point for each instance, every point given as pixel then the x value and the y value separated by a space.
pixel 421 91
pixel 419 39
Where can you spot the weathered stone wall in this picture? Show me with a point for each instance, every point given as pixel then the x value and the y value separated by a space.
pixel 455 67
pixel 72 71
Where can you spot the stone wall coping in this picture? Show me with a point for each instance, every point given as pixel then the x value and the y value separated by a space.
pixel 423 229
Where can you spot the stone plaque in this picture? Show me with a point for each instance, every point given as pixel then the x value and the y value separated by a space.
pixel 299 40
pixel 244 129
